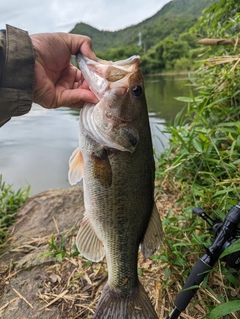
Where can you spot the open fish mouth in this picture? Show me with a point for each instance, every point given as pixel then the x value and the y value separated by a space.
pixel 110 122
pixel 101 74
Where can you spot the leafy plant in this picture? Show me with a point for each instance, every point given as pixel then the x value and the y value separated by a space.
pixel 205 143
pixel 10 202
pixel 224 309
pixel 58 250
pixel 202 162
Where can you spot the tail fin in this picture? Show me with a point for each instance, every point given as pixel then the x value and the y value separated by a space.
pixel 112 305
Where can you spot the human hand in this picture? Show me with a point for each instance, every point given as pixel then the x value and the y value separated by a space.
pixel 56 81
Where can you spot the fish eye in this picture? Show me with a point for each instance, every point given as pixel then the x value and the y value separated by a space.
pixel 137 90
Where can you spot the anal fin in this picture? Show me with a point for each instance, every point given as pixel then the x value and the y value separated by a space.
pixel 88 243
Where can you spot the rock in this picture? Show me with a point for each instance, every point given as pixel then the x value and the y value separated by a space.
pixel 48 212
pixel 23 270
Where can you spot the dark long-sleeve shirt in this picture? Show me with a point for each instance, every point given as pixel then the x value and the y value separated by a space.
pixel 16 73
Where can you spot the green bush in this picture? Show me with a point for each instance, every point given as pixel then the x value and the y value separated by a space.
pixel 202 163
pixel 205 142
pixel 10 202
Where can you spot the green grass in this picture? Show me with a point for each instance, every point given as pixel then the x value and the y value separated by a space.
pixel 202 164
pixel 10 202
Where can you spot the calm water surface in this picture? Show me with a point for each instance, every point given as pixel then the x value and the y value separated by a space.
pixel 35 148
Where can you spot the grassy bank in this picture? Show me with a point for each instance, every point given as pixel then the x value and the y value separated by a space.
pixel 202 165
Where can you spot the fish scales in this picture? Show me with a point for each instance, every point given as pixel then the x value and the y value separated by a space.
pixel 117 166
pixel 121 205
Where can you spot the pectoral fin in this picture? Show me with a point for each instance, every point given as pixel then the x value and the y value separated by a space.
pixel 153 235
pixel 88 243
pixel 102 168
pixel 75 173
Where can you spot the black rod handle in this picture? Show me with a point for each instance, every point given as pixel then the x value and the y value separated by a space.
pixel 195 278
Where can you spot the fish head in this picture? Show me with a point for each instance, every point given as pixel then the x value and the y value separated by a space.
pixel 119 87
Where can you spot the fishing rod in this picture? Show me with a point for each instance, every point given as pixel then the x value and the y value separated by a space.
pixel 226 232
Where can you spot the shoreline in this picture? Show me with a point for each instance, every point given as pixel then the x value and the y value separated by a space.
pixel 171 73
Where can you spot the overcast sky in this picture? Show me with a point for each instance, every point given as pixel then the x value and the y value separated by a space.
pixel 61 15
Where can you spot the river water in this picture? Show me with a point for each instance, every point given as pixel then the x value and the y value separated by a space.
pixel 35 148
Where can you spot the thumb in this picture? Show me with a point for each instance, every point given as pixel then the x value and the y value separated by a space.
pixel 80 43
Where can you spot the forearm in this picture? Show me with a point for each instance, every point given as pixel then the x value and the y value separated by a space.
pixel 16 73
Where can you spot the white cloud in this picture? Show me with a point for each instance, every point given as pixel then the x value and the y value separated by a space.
pixel 62 15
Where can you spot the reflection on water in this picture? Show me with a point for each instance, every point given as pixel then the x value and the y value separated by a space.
pixel 35 148
pixel 161 92
pixel 162 107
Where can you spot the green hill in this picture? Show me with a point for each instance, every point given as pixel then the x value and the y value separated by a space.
pixel 174 18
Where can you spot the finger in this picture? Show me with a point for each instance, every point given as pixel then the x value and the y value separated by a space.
pixel 81 85
pixel 80 43
pixel 84 49
pixel 77 105
pixel 76 85
pixel 84 85
pixel 78 75
pixel 70 97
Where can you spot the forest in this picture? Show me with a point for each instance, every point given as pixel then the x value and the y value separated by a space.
pixel 165 41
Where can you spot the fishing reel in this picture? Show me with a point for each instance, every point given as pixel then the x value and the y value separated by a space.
pixel 229 232
pixel 225 234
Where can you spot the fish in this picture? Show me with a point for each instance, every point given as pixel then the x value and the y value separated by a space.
pixel 116 162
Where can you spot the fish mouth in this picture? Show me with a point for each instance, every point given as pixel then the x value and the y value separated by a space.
pixel 101 74
pixel 111 121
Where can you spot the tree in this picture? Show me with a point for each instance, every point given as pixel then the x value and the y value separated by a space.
pixel 173 50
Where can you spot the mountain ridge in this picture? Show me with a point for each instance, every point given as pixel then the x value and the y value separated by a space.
pixel 174 17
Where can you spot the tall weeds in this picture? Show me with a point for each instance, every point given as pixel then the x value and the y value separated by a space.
pixel 202 164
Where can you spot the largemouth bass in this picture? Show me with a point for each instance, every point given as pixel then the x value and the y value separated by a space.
pixel 115 160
